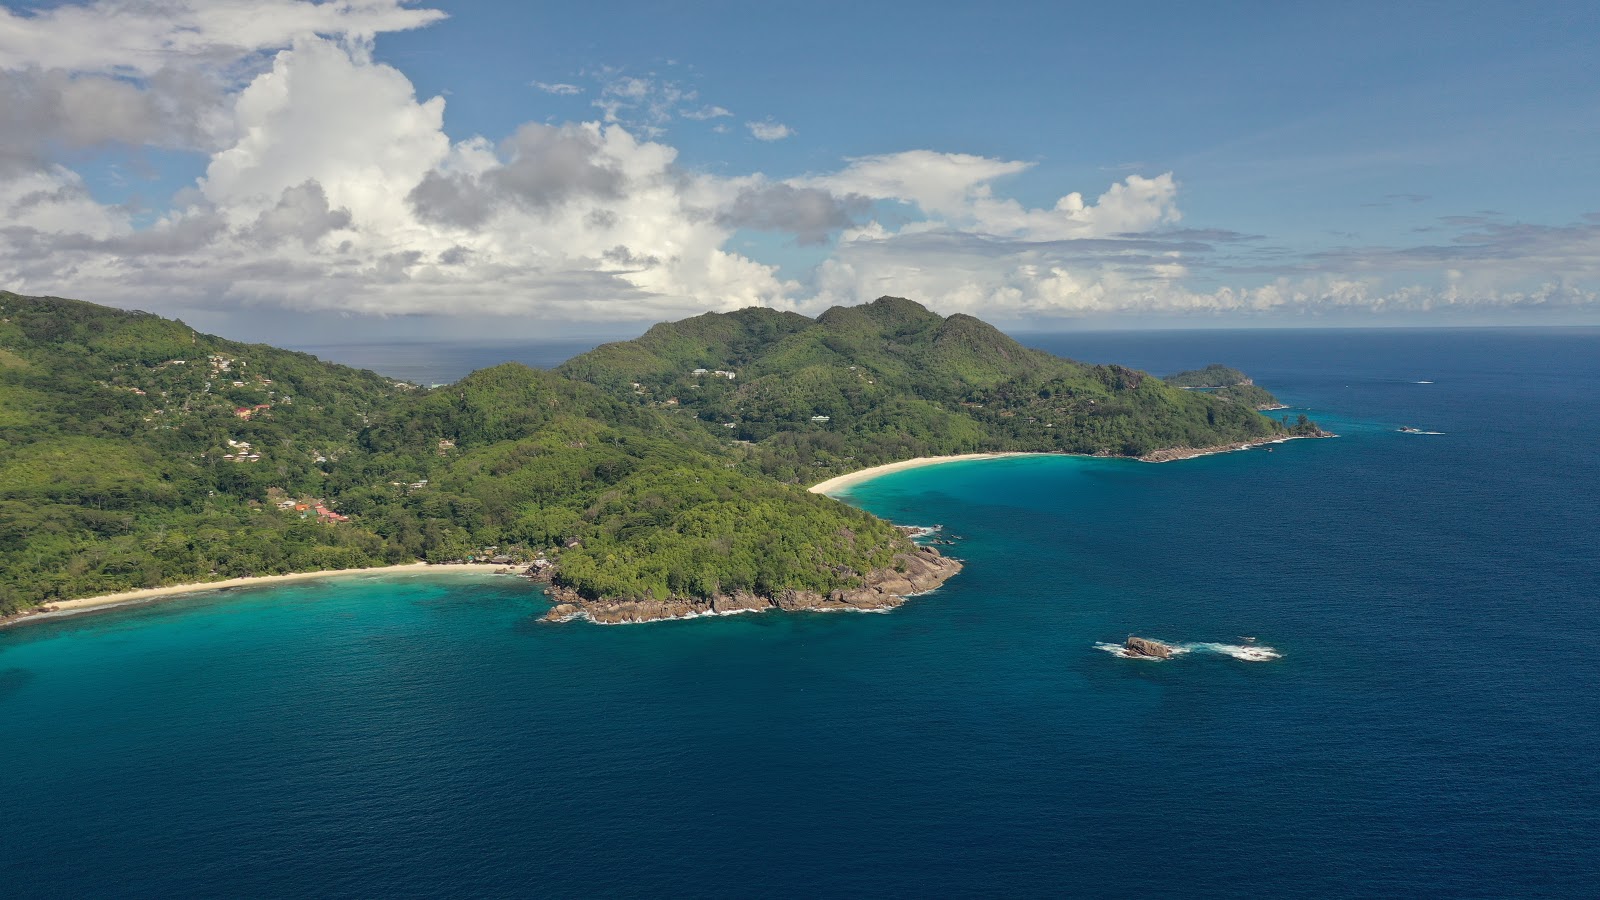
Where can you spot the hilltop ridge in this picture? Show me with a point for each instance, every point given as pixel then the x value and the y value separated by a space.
pixel 890 380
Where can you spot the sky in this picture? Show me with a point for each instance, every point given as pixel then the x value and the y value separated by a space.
pixel 377 169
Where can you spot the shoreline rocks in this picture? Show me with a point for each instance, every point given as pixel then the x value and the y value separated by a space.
pixel 915 572
pixel 1173 454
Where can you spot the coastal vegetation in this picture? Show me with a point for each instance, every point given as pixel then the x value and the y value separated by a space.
pixel 136 452
pixel 889 380
pixel 1225 383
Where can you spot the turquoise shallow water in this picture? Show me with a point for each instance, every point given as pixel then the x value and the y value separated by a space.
pixel 1430 729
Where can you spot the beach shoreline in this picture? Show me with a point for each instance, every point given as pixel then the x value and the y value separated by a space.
pixel 1172 454
pixel 60 608
pixel 850 479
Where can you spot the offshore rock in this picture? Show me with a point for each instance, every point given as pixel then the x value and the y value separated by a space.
pixel 914 572
pixel 1138 646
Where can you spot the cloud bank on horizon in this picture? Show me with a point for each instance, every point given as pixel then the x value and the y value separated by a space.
pixel 327 183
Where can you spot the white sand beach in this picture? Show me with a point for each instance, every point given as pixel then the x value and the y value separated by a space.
pixel 840 482
pixel 57 608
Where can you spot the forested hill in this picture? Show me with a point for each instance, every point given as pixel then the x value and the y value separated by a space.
pixel 1227 383
pixel 136 452
pixel 889 380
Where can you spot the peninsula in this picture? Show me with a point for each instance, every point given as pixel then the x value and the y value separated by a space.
pixel 657 478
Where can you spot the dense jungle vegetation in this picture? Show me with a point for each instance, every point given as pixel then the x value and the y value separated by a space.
pixel 1225 383
pixel 136 452
pixel 890 380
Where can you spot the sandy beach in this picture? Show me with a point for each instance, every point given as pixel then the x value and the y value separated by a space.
pixel 840 482
pixel 57 608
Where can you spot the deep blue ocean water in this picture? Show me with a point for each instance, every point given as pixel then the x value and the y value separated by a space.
pixel 441 362
pixel 1432 728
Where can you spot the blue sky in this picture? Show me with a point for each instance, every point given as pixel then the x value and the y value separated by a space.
pixel 374 167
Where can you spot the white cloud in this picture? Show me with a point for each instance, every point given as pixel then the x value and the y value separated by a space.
pixel 123 38
pixel 645 105
pixel 54 200
pixel 559 88
pixel 320 203
pixel 322 114
pixel 331 185
pixel 705 112
pixel 769 130
pixel 943 184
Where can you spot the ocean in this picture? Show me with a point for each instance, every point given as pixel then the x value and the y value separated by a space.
pixel 1430 726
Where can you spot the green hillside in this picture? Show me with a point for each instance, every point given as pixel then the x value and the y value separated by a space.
pixel 116 469
pixel 137 452
pixel 889 380
pixel 1226 383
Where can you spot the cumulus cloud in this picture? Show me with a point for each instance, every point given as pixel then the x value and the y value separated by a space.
pixel 303 213
pixel 339 189
pixel 769 130
pixel 323 114
pixel 122 38
pixel 543 166
pixel 810 214
pixel 155 74
pixel 558 88
pixel 330 184
pixel 941 184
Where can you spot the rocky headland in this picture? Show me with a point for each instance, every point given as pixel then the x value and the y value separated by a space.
pixel 914 572
pixel 1173 454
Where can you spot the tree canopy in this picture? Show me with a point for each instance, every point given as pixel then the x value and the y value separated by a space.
pixel 137 452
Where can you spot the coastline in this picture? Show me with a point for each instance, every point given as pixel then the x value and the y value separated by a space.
pixel 849 479
pixel 829 487
pixel 60 608
pixel 1173 454
pixel 916 571
pixel 1169 454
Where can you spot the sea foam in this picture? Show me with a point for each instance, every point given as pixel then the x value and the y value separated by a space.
pixel 1246 652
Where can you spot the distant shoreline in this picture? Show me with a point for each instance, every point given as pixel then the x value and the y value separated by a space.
pixel 1172 454
pixel 849 479
pixel 58 608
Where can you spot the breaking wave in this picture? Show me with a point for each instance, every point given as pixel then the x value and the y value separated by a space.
pixel 1246 652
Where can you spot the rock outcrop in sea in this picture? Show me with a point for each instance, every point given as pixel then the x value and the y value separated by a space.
pixel 1138 646
pixel 914 572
